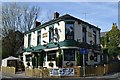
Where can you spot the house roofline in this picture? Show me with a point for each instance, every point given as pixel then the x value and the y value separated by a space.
pixel 64 17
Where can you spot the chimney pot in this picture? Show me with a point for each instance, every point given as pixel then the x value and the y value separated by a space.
pixel 37 24
pixel 56 15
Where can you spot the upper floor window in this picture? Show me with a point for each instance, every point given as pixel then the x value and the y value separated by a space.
pixel 38 37
pixel 29 40
pixel 51 34
pixel 84 34
pixel 94 36
pixel 69 31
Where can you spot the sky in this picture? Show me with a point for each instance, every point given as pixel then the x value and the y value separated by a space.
pixel 101 14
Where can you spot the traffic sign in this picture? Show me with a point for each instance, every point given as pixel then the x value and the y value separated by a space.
pixel 83 51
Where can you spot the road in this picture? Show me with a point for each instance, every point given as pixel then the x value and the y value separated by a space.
pixel 21 76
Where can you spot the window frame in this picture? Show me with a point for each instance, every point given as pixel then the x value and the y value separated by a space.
pixel 84 34
pixel 95 36
pixel 67 57
pixel 51 34
pixel 71 35
pixel 29 40
pixel 39 37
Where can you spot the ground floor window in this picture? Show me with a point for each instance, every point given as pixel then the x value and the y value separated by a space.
pixel 51 56
pixel 28 57
pixel 69 55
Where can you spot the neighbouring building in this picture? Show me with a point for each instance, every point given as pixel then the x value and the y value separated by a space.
pixel 62 33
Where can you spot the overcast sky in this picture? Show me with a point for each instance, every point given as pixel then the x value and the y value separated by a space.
pixel 101 14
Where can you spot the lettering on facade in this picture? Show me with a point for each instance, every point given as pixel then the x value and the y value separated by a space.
pixel 89 34
pixel 44 35
pixel 62 72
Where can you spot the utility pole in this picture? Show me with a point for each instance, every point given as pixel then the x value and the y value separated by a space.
pixel 83 65
pixel 83 52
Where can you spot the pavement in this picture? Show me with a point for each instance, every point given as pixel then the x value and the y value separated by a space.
pixel 21 76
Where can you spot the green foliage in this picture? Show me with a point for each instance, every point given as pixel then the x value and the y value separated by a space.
pixel 105 50
pixel 33 62
pixel 40 60
pixel 105 40
pixel 78 59
pixel 59 60
pixel 111 40
pixel 114 35
pixel 102 41
pixel 113 50
pixel 11 43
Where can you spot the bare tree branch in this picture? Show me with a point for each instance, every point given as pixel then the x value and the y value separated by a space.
pixel 16 17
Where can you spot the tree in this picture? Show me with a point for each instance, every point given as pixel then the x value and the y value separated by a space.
pixel 11 43
pixel 104 41
pixel 113 50
pixel 114 35
pixel 16 17
pixel 111 40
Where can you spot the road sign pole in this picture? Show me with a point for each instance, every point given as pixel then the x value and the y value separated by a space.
pixel 83 65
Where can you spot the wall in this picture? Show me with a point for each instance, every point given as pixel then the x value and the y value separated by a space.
pixel 78 31
pixel 61 31
pixel 92 62
pixel 89 32
pixel 25 40
pixel 34 38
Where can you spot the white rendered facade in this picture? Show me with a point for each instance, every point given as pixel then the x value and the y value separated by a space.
pixel 61 28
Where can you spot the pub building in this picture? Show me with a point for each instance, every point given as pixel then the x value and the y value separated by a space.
pixel 58 42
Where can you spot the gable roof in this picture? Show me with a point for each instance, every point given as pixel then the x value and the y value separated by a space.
pixel 64 17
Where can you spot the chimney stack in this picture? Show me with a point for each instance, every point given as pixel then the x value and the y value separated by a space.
pixel 37 24
pixel 56 15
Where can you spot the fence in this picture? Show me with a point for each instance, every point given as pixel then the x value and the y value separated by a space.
pixel 44 73
pixel 78 71
pixel 37 73
pixel 10 70
pixel 102 70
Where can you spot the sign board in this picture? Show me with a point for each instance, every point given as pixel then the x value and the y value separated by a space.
pixel 83 51
pixel 44 35
pixel 62 72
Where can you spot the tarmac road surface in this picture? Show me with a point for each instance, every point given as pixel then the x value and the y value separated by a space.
pixel 21 76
